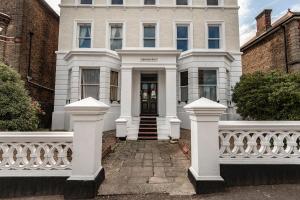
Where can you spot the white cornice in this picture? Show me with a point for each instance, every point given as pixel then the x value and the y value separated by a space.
pixel 91 52
pixel 149 51
pixel 200 52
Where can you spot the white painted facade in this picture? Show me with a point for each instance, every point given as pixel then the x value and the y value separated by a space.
pixel 133 59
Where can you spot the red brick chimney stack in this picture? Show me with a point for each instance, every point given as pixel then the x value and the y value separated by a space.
pixel 263 21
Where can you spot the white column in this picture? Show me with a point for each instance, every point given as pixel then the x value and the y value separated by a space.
pixel 126 92
pixel 171 97
pixel 205 161
pixel 87 116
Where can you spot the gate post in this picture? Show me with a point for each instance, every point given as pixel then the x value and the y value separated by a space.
pixel 204 172
pixel 87 171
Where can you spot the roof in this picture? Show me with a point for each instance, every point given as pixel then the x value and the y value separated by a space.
pixel 289 15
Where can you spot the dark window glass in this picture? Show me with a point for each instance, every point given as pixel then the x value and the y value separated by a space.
pixel 84 36
pixel 181 2
pixel 116 36
pixel 184 86
pixel 214 37
pixel 182 37
pixel 117 2
pixel 149 36
pixel 212 2
pixel 86 2
pixel 149 2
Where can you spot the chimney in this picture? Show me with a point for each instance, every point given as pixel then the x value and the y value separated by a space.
pixel 263 21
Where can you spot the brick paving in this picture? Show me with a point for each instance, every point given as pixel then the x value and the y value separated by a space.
pixel 143 167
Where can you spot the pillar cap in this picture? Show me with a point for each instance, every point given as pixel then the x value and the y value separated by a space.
pixel 205 106
pixel 88 105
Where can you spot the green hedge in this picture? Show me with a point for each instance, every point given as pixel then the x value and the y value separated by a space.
pixel 17 110
pixel 268 96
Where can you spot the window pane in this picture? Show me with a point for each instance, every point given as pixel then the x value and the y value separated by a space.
pixel 115 44
pixel 207 77
pixel 184 93
pixel 214 44
pixel 181 2
pixel 90 91
pixel 116 31
pixel 209 92
pixel 84 43
pixel 149 31
pixel 85 31
pixel 182 45
pixel 117 2
pixel 86 1
pixel 182 32
pixel 184 78
pixel 149 43
pixel 213 32
pixel 149 2
pixel 114 86
pixel 212 2
pixel 90 76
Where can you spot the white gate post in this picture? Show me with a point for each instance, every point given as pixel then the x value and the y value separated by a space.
pixel 87 172
pixel 204 172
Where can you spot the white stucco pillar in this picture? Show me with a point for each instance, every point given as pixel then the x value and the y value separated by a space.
pixel 87 116
pixel 171 96
pixel 204 172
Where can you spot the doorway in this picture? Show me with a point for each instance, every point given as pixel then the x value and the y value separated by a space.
pixel 149 94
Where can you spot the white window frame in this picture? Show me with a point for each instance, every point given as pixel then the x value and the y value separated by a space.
pixel 77 22
pixel 78 3
pixel 217 77
pixel 108 32
pixel 156 23
pixel 187 86
pixel 190 3
pixel 118 87
pixel 190 33
pixel 80 78
pixel 221 24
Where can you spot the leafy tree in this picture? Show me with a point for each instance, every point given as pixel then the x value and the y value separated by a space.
pixel 17 110
pixel 268 96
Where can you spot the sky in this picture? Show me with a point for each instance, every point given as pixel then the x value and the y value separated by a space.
pixel 249 9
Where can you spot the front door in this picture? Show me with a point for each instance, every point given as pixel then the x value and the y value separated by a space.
pixel 149 94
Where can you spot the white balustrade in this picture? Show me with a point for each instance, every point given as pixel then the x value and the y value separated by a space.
pixel 35 153
pixel 253 142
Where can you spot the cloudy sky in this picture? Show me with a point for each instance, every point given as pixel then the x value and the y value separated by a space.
pixel 248 11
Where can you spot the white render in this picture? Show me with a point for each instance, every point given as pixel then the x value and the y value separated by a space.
pixel 133 59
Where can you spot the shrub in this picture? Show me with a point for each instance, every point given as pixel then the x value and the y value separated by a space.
pixel 17 110
pixel 268 96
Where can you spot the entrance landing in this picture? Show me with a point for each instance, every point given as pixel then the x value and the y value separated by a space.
pixel 142 167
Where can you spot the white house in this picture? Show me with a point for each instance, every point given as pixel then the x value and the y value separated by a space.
pixel 146 59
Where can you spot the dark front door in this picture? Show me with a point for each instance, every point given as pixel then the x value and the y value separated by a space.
pixel 149 94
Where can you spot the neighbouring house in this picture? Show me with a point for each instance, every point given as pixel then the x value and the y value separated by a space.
pixel 146 59
pixel 276 46
pixel 28 41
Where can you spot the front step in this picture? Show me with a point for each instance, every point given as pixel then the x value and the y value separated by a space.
pixel 148 128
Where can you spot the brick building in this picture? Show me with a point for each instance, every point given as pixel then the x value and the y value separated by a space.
pixel 28 41
pixel 276 46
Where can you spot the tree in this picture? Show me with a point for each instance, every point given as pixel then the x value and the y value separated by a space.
pixel 268 96
pixel 17 110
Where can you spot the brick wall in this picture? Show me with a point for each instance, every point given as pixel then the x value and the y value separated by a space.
pixel 33 17
pixel 266 55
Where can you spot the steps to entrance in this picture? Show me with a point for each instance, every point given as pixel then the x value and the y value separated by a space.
pixel 148 128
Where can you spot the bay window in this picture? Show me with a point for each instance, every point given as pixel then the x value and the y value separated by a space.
pixel 208 84
pixel 184 86
pixel 90 83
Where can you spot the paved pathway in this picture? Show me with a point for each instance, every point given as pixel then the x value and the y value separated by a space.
pixel 142 167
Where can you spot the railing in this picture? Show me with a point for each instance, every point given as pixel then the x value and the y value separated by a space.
pixel 35 153
pixel 243 142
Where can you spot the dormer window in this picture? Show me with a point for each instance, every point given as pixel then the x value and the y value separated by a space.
pixel 212 2
pixel 117 2
pixel 181 2
pixel 149 2
pixel 86 2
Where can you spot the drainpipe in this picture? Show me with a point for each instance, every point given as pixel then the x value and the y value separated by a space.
pixel 285 49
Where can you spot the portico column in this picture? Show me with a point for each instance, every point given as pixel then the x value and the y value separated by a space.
pixel 126 92
pixel 171 97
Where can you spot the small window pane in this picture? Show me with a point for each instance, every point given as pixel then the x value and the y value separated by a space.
pixel 114 86
pixel 84 36
pixel 84 43
pixel 184 78
pixel 90 80
pixel 149 31
pixel 116 44
pixel 182 45
pixel 209 92
pixel 90 76
pixel 182 32
pixel 212 2
pixel 184 86
pixel 116 37
pixel 214 44
pixel 86 2
pixel 118 2
pixel 181 2
pixel 207 77
pixel 214 32
pixel 149 2
pixel 149 42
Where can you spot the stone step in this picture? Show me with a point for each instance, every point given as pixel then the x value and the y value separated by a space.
pixel 147 138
